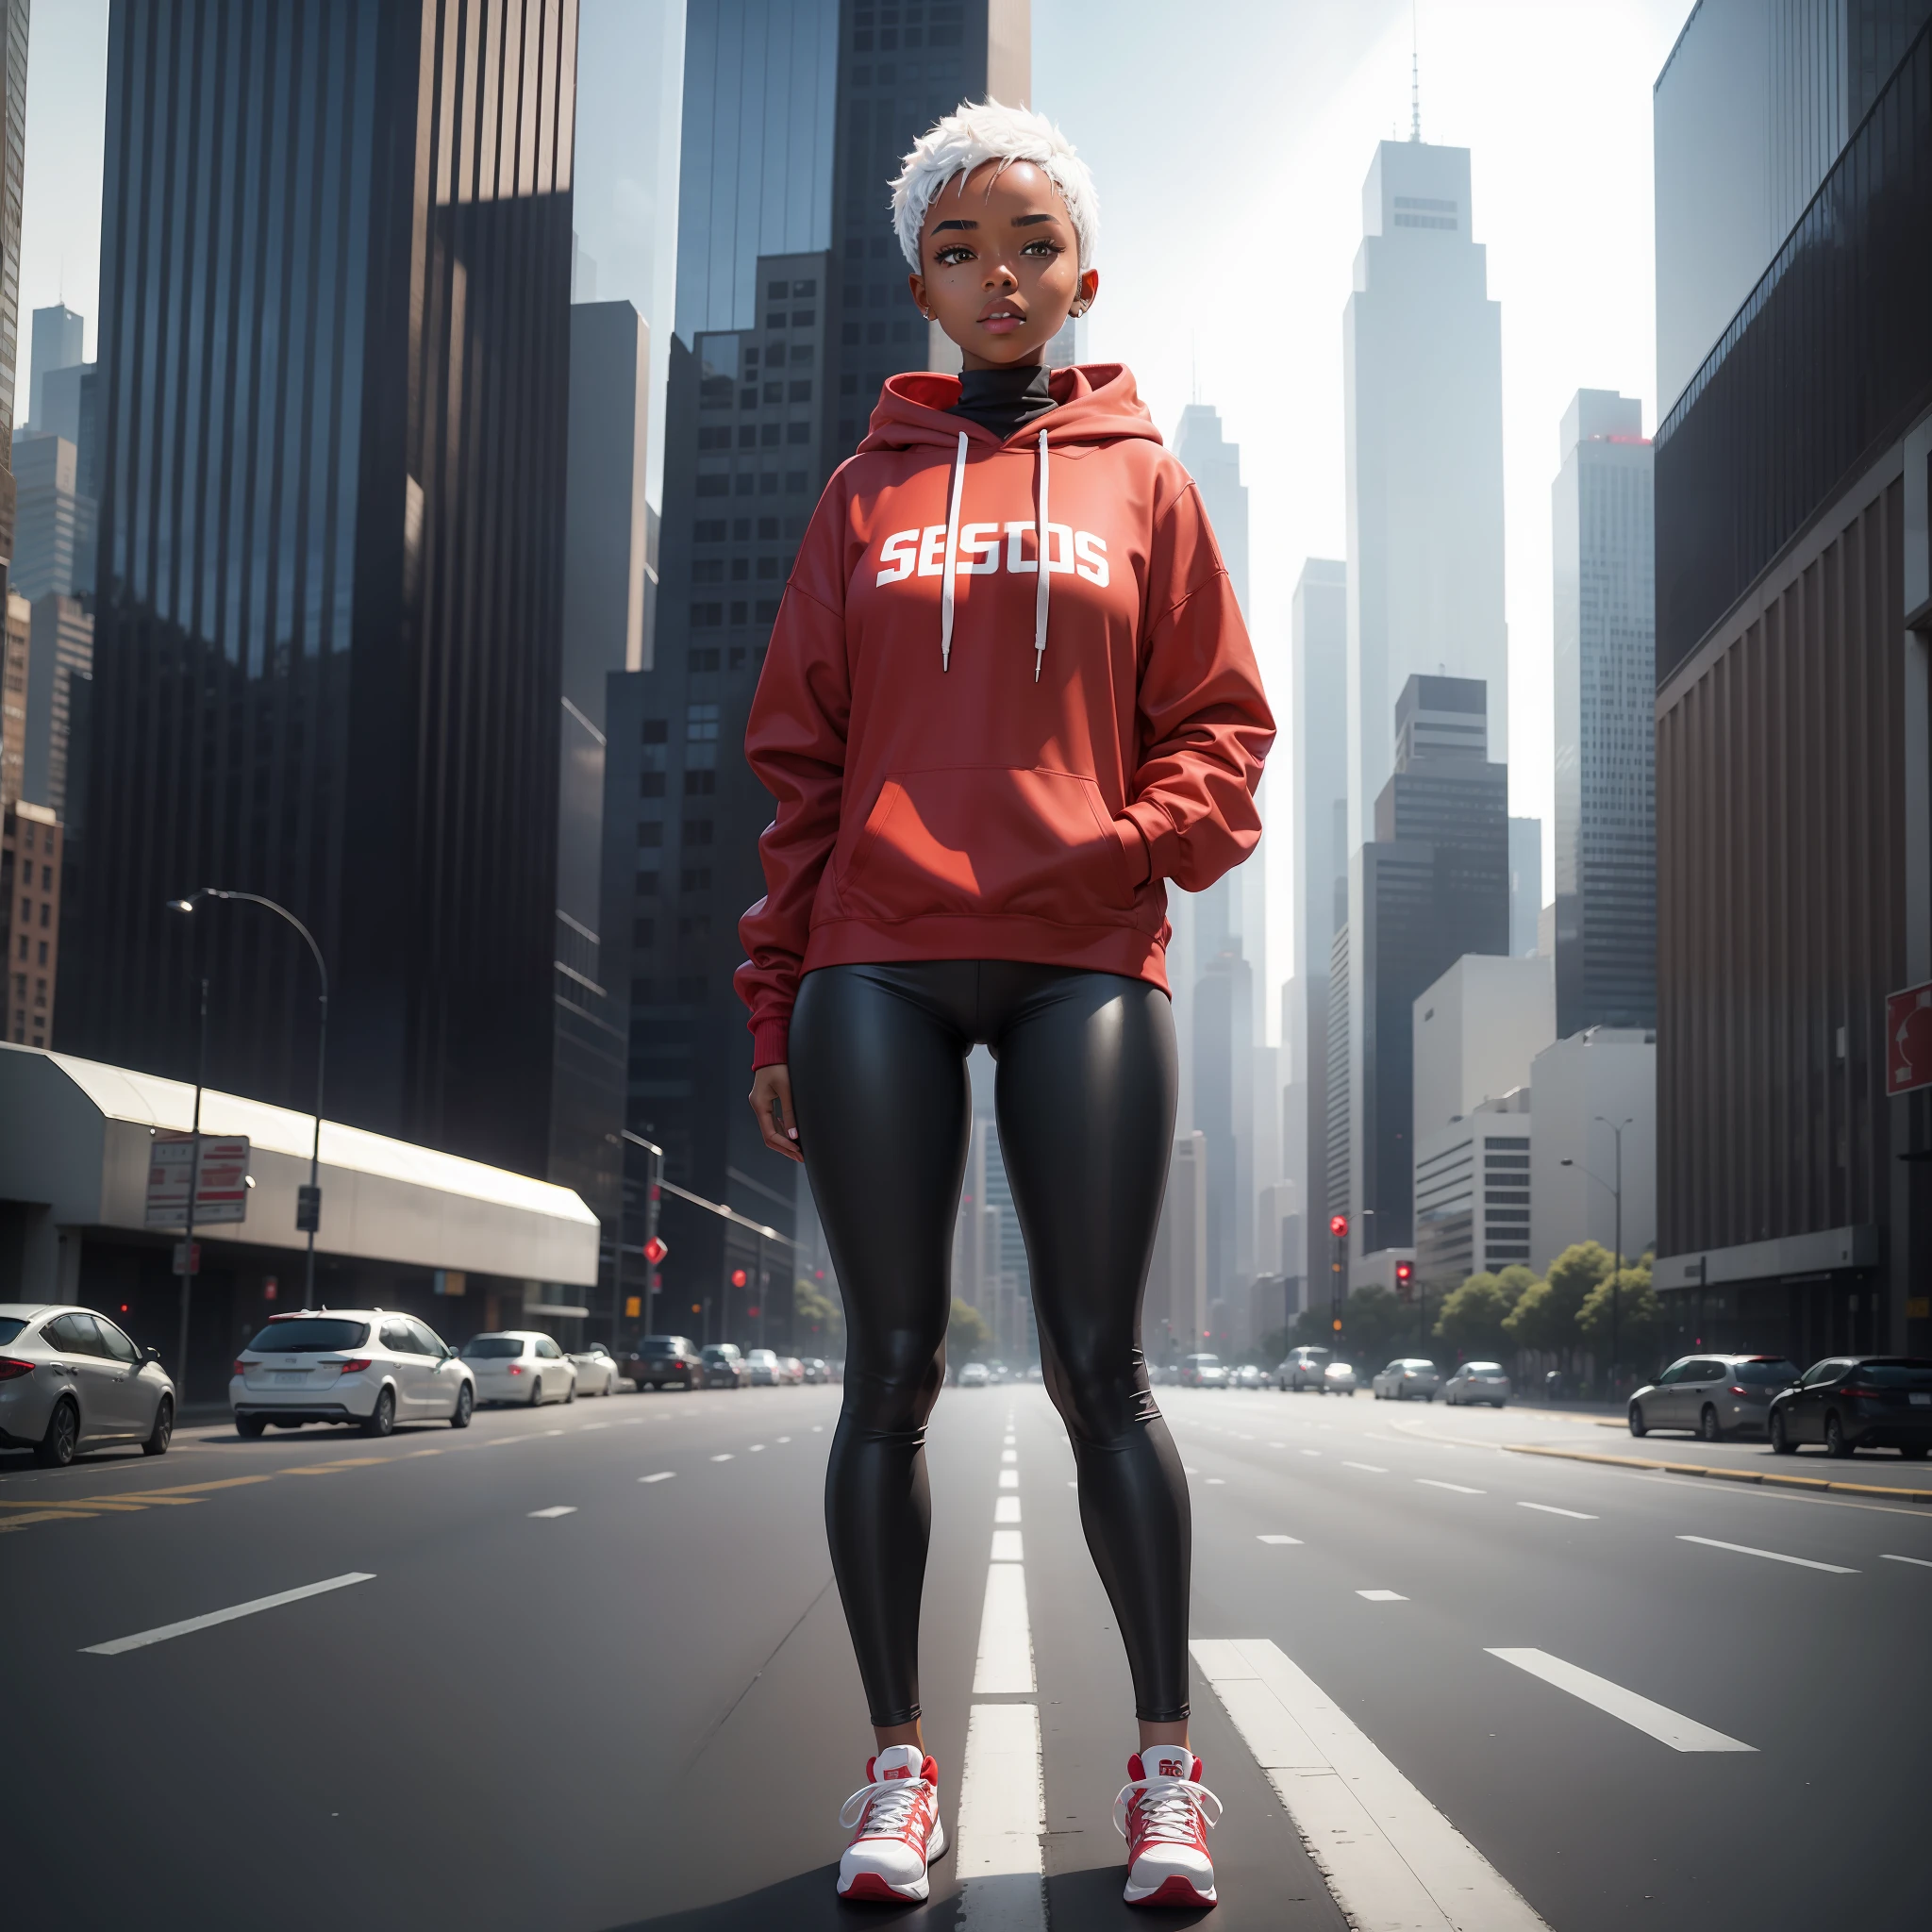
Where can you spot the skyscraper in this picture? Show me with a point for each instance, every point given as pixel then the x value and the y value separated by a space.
pixel 56 339
pixel 1605 679
pixel 791 311
pixel 1319 765
pixel 1526 885
pixel 1423 372
pixel 1433 884
pixel 328 658
pixel 14 17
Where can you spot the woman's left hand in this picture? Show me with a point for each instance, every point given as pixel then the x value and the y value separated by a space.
pixel 771 1101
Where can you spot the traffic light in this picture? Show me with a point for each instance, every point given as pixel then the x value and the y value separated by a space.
pixel 1405 1278
pixel 739 1278
pixel 1338 1227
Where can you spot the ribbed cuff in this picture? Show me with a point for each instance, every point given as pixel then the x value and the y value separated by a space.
pixel 770 1043
pixel 1134 844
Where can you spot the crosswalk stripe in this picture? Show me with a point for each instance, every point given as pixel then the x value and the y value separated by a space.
pixel 1390 1857
pixel 1656 1720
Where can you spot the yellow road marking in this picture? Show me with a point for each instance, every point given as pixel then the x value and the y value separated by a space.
pixel 1731 1475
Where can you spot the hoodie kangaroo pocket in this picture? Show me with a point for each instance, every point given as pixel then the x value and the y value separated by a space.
pixel 988 839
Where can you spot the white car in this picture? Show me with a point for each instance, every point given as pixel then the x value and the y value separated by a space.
pixel 763 1369
pixel 368 1366
pixel 520 1365
pixel 597 1370
pixel 1337 1378
pixel 70 1380
pixel 1477 1382
pixel 973 1376
pixel 1405 1378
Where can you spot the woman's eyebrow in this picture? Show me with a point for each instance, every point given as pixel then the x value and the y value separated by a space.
pixel 1027 221
pixel 939 227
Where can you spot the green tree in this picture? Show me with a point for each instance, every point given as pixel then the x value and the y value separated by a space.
pixel 1515 1281
pixel 1473 1316
pixel 1640 1319
pixel 816 1316
pixel 968 1338
pixel 1371 1319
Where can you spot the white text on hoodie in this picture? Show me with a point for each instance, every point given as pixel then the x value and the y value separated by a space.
pixel 978 553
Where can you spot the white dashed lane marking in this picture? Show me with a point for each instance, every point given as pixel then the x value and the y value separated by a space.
pixel 556 1510
pixel 161 1633
pixel 1710 1543
pixel 1381 1596
pixel 724 1455
pixel 1551 1509
pixel 1918 1562
pixel 1372 1468
pixel 1278 1540
pixel 1460 1488
pixel 663 1475
pixel 1654 1719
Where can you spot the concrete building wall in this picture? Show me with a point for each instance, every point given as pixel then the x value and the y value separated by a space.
pixel 1478 1030
pixel 1581 1089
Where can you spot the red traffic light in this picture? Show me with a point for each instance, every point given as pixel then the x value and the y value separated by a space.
pixel 1338 1225
pixel 739 1278
pixel 655 1251
pixel 1404 1270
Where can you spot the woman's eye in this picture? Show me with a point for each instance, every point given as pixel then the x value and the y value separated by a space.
pixel 948 257
pixel 1042 247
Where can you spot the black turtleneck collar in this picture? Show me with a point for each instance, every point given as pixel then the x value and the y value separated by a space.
pixel 1003 400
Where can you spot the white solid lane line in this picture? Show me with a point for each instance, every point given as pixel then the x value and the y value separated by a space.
pixel 1460 1488
pixel 1278 1540
pixel 1001 1820
pixel 1005 1666
pixel 1006 1546
pixel 1712 1542
pixel 1656 1720
pixel 1551 1509
pixel 663 1475
pixel 1372 1468
pixel 1918 1562
pixel 142 1639
pixel 1381 1596
pixel 1390 1857
pixel 556 1510
pixel 1007 1510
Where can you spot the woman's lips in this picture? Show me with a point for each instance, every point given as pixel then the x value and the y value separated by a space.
pixel 1002 321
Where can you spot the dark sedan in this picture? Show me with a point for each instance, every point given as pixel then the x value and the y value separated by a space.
pixel 1855 1402
pixel 665 1362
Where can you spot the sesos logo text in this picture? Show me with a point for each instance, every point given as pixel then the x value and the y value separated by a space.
pixel 981 546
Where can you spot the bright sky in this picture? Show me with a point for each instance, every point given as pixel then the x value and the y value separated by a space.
pixel 1230 139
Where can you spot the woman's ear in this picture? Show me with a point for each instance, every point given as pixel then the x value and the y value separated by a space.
pixel 1090 287
pixel 917 284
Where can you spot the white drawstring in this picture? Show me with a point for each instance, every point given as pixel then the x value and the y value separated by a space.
pixel 952 548
pixel 1039 551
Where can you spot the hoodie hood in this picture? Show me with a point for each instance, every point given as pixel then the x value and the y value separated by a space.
pixel 1094 404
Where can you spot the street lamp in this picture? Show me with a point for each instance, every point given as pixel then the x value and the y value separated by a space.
pixel 309 1199
pixel 1616 1127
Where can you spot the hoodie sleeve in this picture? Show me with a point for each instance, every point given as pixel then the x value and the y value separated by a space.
pixel 1204 718
pixel 794 740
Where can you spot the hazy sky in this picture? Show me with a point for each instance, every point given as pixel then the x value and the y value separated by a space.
pixel 1230 139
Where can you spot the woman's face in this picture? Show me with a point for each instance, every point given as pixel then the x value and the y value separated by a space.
pixel 1002 264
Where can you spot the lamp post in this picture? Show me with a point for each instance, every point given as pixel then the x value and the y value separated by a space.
pixel 1616 1127
pixel 651 1192
pixel 308 1200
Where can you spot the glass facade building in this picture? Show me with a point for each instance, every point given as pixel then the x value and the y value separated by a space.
pixel 335 357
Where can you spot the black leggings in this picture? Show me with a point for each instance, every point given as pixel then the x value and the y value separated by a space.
pixel 1086 1102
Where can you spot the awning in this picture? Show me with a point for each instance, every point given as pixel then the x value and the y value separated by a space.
pixel 76 1135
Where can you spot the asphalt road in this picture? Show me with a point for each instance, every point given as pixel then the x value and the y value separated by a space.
pixel 1711 1712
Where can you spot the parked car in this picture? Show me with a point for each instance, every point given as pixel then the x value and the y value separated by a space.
pixel 762 1368
pixel 368 1366
pixel 521 1365
pixel 70 1380
pixel 1711 1395
pixel 597 1370
pixel 1477 1382
pixel 1247 1376
pixel 1339 1378
pixel 1301 1369
pixel 663 1360
pixel 1406 1378
pixel 1850 1402
pixel 1203 1372
pixel 724 1366
pixel 817 1369
pixel 973 1376
pixel 795 1369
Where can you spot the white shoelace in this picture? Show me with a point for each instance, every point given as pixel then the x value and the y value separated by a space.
pixel 1168 1806
pixel 893 1801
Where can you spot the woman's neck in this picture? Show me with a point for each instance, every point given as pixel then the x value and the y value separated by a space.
pixel 1003 399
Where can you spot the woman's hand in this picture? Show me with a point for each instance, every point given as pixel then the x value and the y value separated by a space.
pixel 771 1101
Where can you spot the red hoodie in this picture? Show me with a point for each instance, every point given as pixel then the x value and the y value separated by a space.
pixel 1011 772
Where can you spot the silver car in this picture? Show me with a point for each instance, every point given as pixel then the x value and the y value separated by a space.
pixel 1712 1395
pixel 70 1380
pixel 1407 1378
pixel 1477 1382
pixel 1303 1368
pixel 1339 1378
pixel 597 1370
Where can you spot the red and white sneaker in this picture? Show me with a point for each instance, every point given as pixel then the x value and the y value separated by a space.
pixel 1164 1813
pixel 899 1834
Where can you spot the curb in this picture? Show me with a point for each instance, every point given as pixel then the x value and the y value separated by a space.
pixel 1726 1475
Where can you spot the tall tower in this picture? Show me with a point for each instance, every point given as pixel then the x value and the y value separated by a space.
pixel 329 651
pixel 1606 684
pixel 14 18
pixel 791 311
pixel 1422 370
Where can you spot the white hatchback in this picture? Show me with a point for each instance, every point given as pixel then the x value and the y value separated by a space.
pixel 597 1370
pixel 367 1366
pixel 520 1365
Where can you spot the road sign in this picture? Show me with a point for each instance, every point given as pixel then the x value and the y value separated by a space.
pixel 223 1194
pixel 1909 1039
pixel 186 1263
pixel 308 1208
pixel 655 1251
pixel 633 1306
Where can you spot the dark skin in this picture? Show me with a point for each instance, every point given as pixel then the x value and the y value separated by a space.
pixel 1000 273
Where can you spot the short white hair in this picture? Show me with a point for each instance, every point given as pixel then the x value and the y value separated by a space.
pixel 985 130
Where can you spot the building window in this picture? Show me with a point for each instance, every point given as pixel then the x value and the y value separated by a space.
pixel 700 784
pixel 771 567
pixel 708 571
pixel 643 932
pixel 701 724
pixel 716 436
pixel 804 318
pixel 737 612
pixel 651 832
pixel 645 885
pixel 709 530
pixel 745 485
pixel 697 831
pixel 714 486
pixel 704 615
pixel 714 393
pixel 747 436
pixel 798 432
pixel 740 568
pixel 695 879
pixel 702 660
pixel 768 434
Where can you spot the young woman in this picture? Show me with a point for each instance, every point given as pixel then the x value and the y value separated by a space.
pixel 1008 697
